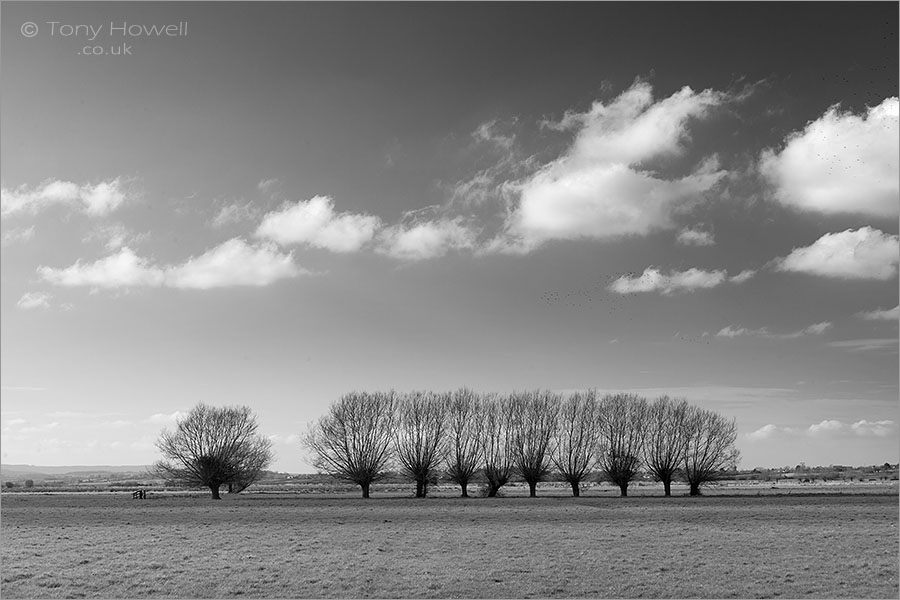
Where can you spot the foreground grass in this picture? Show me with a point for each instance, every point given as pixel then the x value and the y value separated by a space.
pixel 107 545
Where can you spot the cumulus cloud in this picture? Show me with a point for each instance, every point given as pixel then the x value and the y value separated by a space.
pixel 864 253
pixel 232 263
pixel 695 237
pixel 94 199
pixel 654 280
pixel 123 269
pixel 876 428
pixel 891 314
pixel 315 223
pixel 763 433
pixel 17 235
pixel 600 187
pixel 733 331
pixel 426 239
pixel 166 419
pixel 33 300
pixel 827 428
pixel 841 163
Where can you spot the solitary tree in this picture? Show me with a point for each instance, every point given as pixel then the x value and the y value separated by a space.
pixel 576 443
pixel 534 428
pixel 497 442
pixel 666 439
pixel 710 447
pixel 622 425
pixel 214 446
pixel 420 432
pixel 464 427
pixel 353 441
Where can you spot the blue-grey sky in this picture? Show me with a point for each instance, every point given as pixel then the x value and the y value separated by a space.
pixel 273 204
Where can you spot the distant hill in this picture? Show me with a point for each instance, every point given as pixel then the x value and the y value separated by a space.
pixel 19 470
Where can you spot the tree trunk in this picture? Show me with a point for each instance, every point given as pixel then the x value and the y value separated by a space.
pixel 532 489
pixel 214 488
pixel 667 485
pixel 420 488
pixel 492 490
pixel 576 489
pixel 624 487
pixel 365 490
pixel 465 491
pixel 695 489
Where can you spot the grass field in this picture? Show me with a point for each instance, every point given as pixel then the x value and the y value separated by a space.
pixel 283 546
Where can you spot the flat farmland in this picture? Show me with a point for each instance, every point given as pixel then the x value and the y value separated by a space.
pixel 285 546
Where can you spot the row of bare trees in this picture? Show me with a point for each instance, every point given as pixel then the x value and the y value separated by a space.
pixel 528 434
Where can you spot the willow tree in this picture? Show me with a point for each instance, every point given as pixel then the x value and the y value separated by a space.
pixel 214 446
pixel 464 430
pixel 576 442
pixel 497 442
pixel 710 447
pixel 534 428
pixel 621 423
pixel 419 436
pixel 666 439
pixel 353 440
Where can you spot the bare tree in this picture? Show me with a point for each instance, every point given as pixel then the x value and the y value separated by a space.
pixel 622 427
pixel 576 443
pixel 710 447
pixel 353 441
pixel 464 437
pixel 534 433
pixel 214 446
pixel 497 442
pixel 666 439
pixel 420 433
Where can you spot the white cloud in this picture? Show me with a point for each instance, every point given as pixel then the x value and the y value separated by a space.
pixel 743 276
pixel 288 439
pixel 16 236
pixel 96 200
pixel 866 345
pixel 315 223
pixel 124 269
pixel 233 263
pixel 865 253
pixel 267 185
pixel 235 213
pixel 115 236
pixel 876 428
pixel 733 331
pixel 841 163
pixel 600 187
pixel 695 237
pixel 891 314
pixel 427 239
pixel 31 300
pixel 653 280
pixel 827 427
pixel 166 419
pixel 763 433
pixel 490 132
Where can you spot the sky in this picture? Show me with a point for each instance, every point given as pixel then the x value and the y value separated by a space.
pixel 274 204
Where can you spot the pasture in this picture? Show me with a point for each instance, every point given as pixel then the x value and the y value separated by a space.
pixel 287 545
